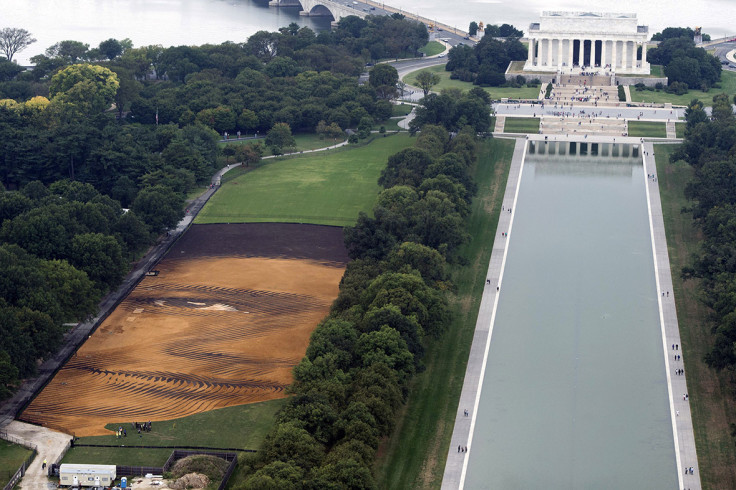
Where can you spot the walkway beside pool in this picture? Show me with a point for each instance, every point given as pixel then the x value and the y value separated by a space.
pixel 685 452
pixel 682 423
pixel 456 465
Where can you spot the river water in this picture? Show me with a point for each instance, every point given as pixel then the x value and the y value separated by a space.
pixel 194 22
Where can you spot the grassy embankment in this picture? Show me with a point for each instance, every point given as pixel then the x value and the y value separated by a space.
pixel 728 86
pixel 11 457
pixel 711 393
pixel 680 129
pixel 304 142
pixel 399 111
pixel 647 129
pixel 321 188
pixel 495 92
pixel 239 427
pixel 414 457
pixel 521 125
pixel 432 48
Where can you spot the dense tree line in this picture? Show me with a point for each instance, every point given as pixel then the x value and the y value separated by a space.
pixel 455 109
pixel 710 147
pixel 392 301
pixel 686 66
pixel 61 248
pixel 99 148
pixel 485 63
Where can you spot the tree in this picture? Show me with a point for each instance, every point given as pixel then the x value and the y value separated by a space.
pixel 70 51
pixel 384 78
pixel 473 28
pixel 89 87
pixel 111 48
pixel 426 80
pixel 279 138
pixel 159 207
pixel 13 40
pixel 249 154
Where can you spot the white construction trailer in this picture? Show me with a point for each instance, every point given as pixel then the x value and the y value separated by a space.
pixel 87 475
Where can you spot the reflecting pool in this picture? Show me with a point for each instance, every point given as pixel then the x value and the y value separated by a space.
pixel 575 391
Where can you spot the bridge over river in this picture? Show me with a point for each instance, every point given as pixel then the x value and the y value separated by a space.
pixel 337 9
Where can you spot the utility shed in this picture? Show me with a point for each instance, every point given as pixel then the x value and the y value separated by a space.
pixel 88 475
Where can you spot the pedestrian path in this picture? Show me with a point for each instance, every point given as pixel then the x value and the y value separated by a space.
pixel 469 397
pixel 50 445
pixel 679 399
pixel 671 130
pixel 579 126
pixel 500 124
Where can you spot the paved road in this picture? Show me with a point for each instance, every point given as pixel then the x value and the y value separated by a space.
pixel 721 51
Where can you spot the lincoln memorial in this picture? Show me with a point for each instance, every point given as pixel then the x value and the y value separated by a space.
pixel 571 42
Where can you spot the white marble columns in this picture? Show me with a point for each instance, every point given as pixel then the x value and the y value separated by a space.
pixel 599 52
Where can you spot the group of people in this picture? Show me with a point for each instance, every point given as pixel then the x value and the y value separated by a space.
pixel 142 426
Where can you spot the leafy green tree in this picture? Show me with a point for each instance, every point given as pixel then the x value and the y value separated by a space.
pixel 100 256
pixel 8 376
pixel 291 444
pixel 384 78
pixel 70 51
pixel 406 167
pixel 159 207
pixel 279 138
pixel 426 80
pixel 9 70
pixel 345 473
pixel 111 48
pixel 364 127
pixel 428 261
pixel 473 28
pixel 89 86
pixel 276 476
pixel 312 412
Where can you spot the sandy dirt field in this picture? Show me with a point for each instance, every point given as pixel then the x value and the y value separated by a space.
pixel 223 323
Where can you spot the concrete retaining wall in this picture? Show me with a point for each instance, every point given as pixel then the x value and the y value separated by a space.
pixel 649 82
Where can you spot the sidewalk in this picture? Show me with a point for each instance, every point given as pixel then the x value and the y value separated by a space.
pixel 50 444
pixel 677 384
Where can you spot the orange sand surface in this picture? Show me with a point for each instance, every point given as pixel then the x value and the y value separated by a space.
pixel 204 334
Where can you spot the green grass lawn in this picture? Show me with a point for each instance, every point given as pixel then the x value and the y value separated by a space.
pixel 414 457
pixel 680 129
pixel 321 188
pixel 432 48
pixel 495 92
pixel 728 86
pixel 647 129
pixel 711 393
pixel 239 427
pixel 304 141
pixel 389 124
pixel 11 457
pixel 401 109
pixel 521 125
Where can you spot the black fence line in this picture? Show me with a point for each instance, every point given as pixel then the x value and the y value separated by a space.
pixel 10 409
pixel 21 471
pixel 176 455
pixel 206 448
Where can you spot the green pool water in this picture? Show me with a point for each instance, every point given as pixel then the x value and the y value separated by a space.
pixel 575 393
